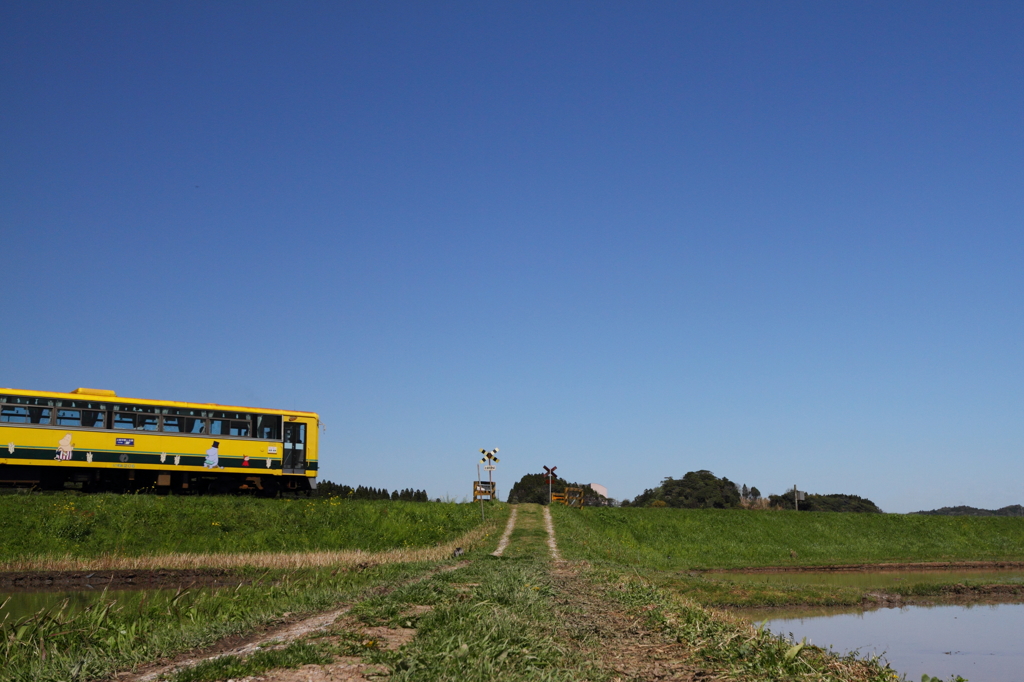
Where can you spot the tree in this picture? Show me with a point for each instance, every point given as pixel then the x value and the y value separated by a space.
pixel 825 503
pixel 695 490
pixel 534 488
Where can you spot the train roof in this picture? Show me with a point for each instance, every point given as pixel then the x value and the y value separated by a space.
pixel 110 396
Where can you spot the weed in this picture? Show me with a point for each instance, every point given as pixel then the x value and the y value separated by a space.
pixel 228 667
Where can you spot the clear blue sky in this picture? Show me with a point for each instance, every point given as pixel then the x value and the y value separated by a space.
pixel 780 241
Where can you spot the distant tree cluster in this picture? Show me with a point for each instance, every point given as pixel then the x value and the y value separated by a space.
pixel 534 488
pixel 703 490
pixel 696 490
pixel 410 495
pixel 828 503
pixel 330 489
pixel 1012 510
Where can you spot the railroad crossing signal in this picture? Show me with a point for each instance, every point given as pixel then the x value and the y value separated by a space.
pixel 550 474
pixel 488 460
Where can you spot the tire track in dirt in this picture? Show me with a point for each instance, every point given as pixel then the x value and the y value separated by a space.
pixel 592 622
pixel 279 635
pixel 549 526
pixel 503 543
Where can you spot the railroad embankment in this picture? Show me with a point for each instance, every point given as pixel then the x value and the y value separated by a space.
pixel 67 532
pixel 707 539
pixel 573 595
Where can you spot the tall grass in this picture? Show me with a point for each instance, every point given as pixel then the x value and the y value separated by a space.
pixel 711 538
pixel 90 526
pixel 60 643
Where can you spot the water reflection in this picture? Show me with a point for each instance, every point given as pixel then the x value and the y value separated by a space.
pixel 21 604
pixel 981 643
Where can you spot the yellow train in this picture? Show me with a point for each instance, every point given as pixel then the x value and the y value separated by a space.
pixel 94 440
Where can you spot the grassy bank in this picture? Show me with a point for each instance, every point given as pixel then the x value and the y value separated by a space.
pixel 515 618
pixel 681 539
pixel 59 644
pixel 66 643
pixel 69 525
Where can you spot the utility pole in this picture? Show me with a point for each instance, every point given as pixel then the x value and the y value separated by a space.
pixel 797 496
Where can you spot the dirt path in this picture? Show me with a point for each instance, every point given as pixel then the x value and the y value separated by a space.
pixel 279 635
pixel 601 628
pixel 596 626
pixel 507 535
pixel 282 634
pixel 549 526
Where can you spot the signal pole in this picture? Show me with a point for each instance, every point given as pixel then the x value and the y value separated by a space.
pixel 551 472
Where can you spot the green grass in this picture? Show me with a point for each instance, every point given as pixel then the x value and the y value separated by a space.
pixel 135 525
pixel 232 667
pixel 679 539
pixel 63 644
pixel 734 650
pixel 716 592
pixel 505 618
pixel 493 620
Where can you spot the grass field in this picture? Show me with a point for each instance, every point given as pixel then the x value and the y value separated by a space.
pixel 58 645
pixel 69 525
pixel 680 539
pixel 61 643
pixel 630 609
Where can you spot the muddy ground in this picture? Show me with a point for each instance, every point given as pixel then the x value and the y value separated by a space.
pixel 45 581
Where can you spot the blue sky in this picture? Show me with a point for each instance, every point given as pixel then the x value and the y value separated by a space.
pixel 780 241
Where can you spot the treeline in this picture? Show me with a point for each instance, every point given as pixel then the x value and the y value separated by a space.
pixel 534 488
pixel 1012 510
pixel 696 490
pixel 330 489
pixel 833 503
pixel 703 490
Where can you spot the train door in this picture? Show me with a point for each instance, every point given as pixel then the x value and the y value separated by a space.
pixel 294 458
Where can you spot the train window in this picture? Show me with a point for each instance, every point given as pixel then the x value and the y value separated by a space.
pixel 123 420
pixel 146 422
pixel 24 410
pixel 173 424
pixel 14 414
pixel 93 419
pixel 219 427
pixel 240 429
pixel 268 426
pixel 39 415
pixel 66 417
pixel 193 425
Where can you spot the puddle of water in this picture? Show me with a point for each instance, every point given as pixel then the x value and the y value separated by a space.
pixel 981 643
pixel 875 579
pixel 21 604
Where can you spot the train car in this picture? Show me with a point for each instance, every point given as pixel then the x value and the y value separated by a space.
pixel 93 440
